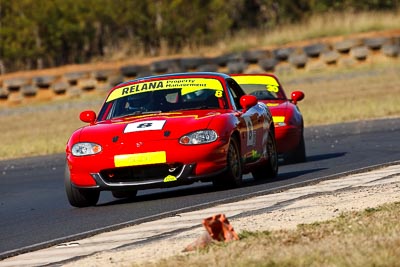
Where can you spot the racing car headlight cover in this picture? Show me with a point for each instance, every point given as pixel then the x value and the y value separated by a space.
pixel 199 137
pixel 85 149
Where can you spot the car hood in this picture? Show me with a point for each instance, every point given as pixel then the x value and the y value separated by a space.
pixel 153 127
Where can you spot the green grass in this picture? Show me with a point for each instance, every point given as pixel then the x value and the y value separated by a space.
pixel 366 238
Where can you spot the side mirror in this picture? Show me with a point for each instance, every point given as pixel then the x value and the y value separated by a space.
pixel 297 96
pixel 88 116
pixel 248 101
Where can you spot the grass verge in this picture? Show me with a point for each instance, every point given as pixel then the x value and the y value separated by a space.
pixel 367 238
pixel 41 129
pixel 348 95
pixel 316 27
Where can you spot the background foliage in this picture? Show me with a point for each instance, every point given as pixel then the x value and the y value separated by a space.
pixel 36 34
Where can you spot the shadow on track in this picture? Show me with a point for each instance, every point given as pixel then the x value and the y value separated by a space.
pixel 205 188
pixel 325 156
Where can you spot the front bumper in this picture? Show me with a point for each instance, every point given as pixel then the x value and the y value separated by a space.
pixel 183 165
pixel 183 176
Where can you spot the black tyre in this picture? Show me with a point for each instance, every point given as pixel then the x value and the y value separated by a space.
pixel 78 197
pixel 268 64
pixel 232 177
pixel 299 155
pixel 315 50
pixel 236 66
pixel 124 193
pixel 131 70
pixel 268 170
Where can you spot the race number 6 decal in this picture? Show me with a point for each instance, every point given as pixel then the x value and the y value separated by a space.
pixel 251 140
pixel 144 126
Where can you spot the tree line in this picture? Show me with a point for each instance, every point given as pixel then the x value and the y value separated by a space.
pixel 38 34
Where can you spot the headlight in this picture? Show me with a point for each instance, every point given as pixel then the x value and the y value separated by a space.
pixel 84 149
pixel 199 137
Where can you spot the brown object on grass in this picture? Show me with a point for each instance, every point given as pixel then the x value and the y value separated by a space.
pixel 218 229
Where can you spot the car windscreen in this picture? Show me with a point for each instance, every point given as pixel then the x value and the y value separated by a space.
pixel 144 97
pixel 263 87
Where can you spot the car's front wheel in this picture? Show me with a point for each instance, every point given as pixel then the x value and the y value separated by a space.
pixel 233 176
pixel 299 154
pixel 270 168
pixel 78 197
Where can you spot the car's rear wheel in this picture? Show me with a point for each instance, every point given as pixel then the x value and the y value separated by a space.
pixel 79 197
pixel 232 177
pixel 299 154
pixel 124 193
pixel 270 168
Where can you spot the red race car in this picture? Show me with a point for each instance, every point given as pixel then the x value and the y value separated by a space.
pixel 169 130
pixel 288 120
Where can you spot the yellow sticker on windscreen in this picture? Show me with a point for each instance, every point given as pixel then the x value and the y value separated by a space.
pixel 271 84
pixel 261 79
pixel 187 85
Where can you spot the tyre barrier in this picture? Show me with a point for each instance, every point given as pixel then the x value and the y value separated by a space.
pixel 315 50
pixel 330 57
pixel 315 57
pixel 375 43
pixel 268 64
pixel 359 53
pixel 208 68
pixel 44 81
pixel 346 45
pixel 298 59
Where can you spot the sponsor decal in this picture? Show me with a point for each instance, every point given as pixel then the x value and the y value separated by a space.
pixel 169 178
pixel 271 84
pixel 188 85
pixel 140 159
pixel 251 133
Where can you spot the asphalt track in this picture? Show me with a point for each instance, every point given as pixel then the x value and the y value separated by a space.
pixel 35 213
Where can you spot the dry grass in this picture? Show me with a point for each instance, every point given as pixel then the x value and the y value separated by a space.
pixel 334 24
pixel 367 238
pixel 349 95
pixel 317 27
pixel 40 130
